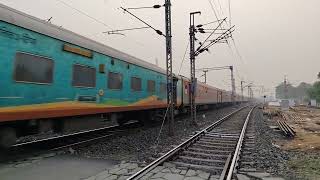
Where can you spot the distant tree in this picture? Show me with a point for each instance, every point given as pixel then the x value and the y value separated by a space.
pixel 299 92
pixel 314 92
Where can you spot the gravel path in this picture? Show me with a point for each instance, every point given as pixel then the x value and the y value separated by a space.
pixel 139 144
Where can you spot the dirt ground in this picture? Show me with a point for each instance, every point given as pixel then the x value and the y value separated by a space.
pixel 306 123
pixel 305 146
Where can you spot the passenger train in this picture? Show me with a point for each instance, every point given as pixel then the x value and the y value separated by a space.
pixel 48 74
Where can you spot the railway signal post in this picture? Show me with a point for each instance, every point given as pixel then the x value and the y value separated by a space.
pixel 192 32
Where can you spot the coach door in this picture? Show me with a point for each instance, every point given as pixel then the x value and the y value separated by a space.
pixel 175 81
pixel 219 97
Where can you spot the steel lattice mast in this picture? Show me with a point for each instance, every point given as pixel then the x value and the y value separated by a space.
pixel 170 83
pixel 168 36
pixel 193 88
pixel 233 86
pixel 233 81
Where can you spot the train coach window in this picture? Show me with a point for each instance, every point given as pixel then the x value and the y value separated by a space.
pixel 151 86
pixel 114 80
pixel 83 76
pixel 135 84
pixel 34 69
pixel 163 88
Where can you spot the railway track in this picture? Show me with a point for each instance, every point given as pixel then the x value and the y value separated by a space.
pixel 20 150
pixel 33 148
pixel 216 149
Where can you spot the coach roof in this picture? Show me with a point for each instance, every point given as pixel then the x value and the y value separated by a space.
pixel 21 19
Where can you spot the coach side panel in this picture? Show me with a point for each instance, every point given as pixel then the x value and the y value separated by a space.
pixel 43 77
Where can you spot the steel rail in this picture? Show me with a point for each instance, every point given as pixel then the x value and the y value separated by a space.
pixel 183 145
pixel 70 135
pixel 31 148
pixel 238 148
pixel 82 142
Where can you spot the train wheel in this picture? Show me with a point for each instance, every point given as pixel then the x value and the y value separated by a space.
pixel 8 137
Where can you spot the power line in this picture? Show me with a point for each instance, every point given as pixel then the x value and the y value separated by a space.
pixel 237 50
pixel 144 22
pixel 202 44
pixel 223 36
pixel 230 12
pixel 184 56
pixel 95 20
pixel 121 30
pixel 214 11
pixel 85 14
pixel 147 7
pixel 220 7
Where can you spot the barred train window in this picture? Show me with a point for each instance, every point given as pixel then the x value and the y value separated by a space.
pixel 136 84
pixel 151 86
pixel 83 76
pixel 32 68
pixel 114 80
pixel 163 88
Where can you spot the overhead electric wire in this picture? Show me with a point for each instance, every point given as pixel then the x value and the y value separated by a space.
pixel 128 29
pixel 144 22
pixel 214 11
pixel 212 22
pixel 238 74
pixel 222 26
pixel 230 12
pixel 237 50
pixel 222 13
pixel 221 37
pixel 211 33
pixel 95 20
pixel 184 56
pixel 85 14
pixel 147 7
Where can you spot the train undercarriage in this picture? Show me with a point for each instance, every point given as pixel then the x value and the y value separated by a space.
pixel 11 131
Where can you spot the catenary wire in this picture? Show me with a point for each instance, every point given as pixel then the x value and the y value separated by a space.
pixel 184 56
pixel 85 14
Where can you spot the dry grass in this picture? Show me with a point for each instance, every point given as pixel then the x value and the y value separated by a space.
pixel 306 168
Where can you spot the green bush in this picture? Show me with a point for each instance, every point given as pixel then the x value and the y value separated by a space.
pixel 314 92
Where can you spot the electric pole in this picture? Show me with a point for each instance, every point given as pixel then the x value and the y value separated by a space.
pixel 168 37
pixel 249 93
pixel 242 90
pixel 285 88
pixel 233 86
pixel 204 47
pixel 193 87
pixel 170 85
pixel 233 83
pixel 205 76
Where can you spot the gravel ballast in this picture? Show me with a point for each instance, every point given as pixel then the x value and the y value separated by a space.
pixel 139 145
pixel 269 156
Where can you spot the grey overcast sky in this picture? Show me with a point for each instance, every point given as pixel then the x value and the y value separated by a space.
pixel 274 37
